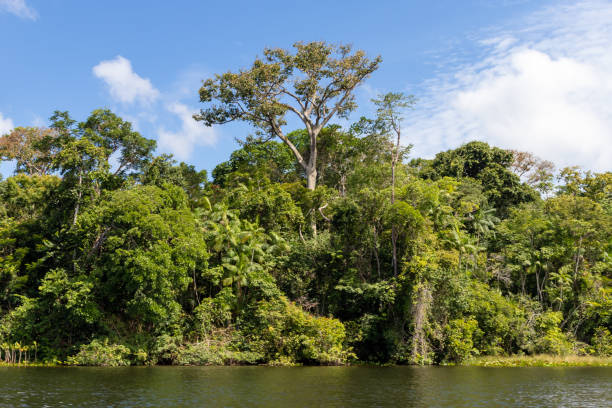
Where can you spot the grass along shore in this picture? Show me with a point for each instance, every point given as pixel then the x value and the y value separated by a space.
pixel 540 360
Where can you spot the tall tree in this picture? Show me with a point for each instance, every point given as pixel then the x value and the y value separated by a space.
pixel 116 136
pixel 80 162
pixel 84 152
pixel 390 108
pixel 315 83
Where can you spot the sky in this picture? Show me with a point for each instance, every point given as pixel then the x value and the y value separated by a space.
pixel 520 74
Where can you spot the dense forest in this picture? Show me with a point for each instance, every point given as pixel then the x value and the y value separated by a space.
pixel 314 243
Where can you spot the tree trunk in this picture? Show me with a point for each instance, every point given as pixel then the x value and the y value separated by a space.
pixel 311 177
pixel 393 163
pixel 394 159
pixel 78 201
pixel 394 244
pixel 376 252
pixel 577 265
pixel 343 185
pixel 311 184
pixel 537 274
pixel 310 166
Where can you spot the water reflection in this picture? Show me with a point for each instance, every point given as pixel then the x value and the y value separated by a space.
pixel 306 387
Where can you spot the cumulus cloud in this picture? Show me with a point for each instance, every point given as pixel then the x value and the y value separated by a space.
pixel 6 125
pixel 128 87
pixel 124 84
pixel 544 86
pixel 18 8
pixel 190 135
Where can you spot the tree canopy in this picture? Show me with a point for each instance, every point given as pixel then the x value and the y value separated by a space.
pixel 316 84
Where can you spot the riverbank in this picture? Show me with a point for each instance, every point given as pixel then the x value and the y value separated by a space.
pixel 541 360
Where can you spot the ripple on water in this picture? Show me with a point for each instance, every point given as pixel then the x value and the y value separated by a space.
pixel 305 387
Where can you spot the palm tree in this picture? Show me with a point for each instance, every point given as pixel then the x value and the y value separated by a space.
pixel 18 347
pixel 483 222
pixel 462 242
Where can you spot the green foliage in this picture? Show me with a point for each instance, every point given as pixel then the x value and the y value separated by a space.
pixel 270 205
pixel 285 334
pixel 162 170
pixel 491 167
pixel 458 344
pixel 98 353
pixel 147 246
pixel 552 340
pixel 241 257
pixel 63 314
pixel 315 83
pixel 330 72
pixel 21 195
pixel 269 159
pixel 602 342
pixel 435 261
pixel 213 354
pixel 218 348
pixel 209 314
pixel 503 322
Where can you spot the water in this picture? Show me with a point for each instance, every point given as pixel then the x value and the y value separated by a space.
pixel 305 387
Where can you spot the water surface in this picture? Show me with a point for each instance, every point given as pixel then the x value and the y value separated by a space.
pixel 305 387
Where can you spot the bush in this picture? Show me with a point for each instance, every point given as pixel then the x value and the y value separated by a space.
pixel 164 349
pixel 285 334
pixel 458 344
pixel 205 353
pixel 219 348
pixel 551 339
pixel 602 342
pixel 99 353
pixel 208 315
pixel 501 320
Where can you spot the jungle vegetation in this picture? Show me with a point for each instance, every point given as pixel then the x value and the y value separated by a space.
pixel 317 244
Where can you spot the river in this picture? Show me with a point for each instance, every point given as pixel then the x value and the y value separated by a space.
pixel 305 387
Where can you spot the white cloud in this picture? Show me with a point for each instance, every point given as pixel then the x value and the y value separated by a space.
pixel 191 134
pixel 18 8
pixel 124 84
pixel 544 87
pixel 6 125
pixel 127 87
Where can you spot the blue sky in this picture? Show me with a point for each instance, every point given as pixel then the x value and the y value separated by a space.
pixel 531 75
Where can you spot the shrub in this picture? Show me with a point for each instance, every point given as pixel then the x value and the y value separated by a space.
pixel 206 353
pixel 551 339
pixel 99 353
pixel 210 314
pixel 602 342
pixel 164 349
pixel 501 320
pixel 285 334
pixel 458 344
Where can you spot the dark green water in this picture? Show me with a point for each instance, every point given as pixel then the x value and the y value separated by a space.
pixel 306 387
